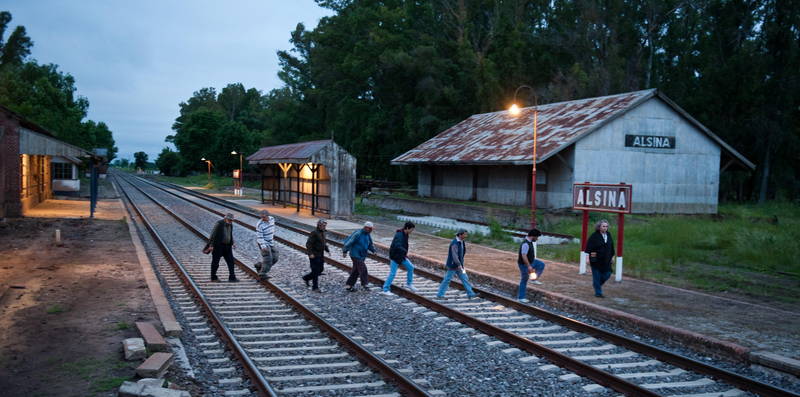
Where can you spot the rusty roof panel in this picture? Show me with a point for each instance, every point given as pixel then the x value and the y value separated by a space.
pixel 503 138
pixel 300 152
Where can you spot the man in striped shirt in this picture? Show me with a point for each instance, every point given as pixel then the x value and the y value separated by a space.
pixel 265 233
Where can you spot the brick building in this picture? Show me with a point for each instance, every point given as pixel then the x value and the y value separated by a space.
pixel 26 152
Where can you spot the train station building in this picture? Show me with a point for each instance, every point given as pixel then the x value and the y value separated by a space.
pixel 316 175
pixel 32 163
pixel 641 138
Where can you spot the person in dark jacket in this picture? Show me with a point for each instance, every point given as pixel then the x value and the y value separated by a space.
pixel 222 242
pixel 600 248
pixel 530 268
pixel 398 253
pixel 316 246
pixel 455 265
pixel 357 244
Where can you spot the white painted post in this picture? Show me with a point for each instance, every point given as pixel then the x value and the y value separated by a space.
pixel 58 236
pixel 584 259
pixel 618 275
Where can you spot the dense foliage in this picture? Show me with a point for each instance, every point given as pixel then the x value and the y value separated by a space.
pixel 383 76
pixel 45 95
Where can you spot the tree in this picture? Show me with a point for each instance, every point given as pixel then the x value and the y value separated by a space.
pixel 168 162
pixel 46 95
pixel 140 160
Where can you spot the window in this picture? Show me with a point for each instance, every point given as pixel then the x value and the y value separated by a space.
pixel 62 171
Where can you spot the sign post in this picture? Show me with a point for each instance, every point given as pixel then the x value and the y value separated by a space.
pixel 237 183
pixel 603 198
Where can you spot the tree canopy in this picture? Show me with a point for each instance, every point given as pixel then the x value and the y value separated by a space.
pixel 383 76
pixel 45 95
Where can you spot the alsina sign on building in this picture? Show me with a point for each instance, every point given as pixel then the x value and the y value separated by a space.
pixel 650 142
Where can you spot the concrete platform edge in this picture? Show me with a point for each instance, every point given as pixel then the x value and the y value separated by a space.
pixel 163 308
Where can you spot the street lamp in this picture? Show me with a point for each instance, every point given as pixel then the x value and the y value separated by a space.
pixel 209 169
pixel 241 174
pixel 515 111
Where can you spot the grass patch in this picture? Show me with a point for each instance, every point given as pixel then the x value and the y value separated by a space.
pixel 368 210
pixel 121 326
pixel 103 375
pixel 55 309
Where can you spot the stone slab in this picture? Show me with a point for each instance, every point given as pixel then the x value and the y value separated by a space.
pixel 776 361
pixel 134 349
pixel 152 338
pixel 156 365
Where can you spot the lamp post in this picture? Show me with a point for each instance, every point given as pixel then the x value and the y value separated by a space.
pixel 241 173
pixel 515 111
pixel 209 169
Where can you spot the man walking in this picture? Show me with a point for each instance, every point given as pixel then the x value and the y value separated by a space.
pixel 529 267
pixel 398 253
pixel 316 246
pixel 455 265
pixel 600 248
pixel 265 233
pixel 358 244
pixel 221 241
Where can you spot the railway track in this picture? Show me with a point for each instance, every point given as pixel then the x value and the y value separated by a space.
pixel 609 360
pixel 278 344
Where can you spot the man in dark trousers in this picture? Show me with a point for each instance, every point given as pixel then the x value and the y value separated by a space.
pixel 358 244
pixel 600 248
pixel 222 242
pixel 316 246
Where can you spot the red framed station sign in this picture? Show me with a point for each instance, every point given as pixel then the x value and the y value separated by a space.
pixel 602 197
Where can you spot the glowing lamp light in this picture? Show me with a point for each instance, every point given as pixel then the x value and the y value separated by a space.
pixel 532 276
pixel 514 110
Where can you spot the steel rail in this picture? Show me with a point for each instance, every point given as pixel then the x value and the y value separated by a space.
pixel 250 368
pixel 678 360
pixel 562 360
pixel 373 361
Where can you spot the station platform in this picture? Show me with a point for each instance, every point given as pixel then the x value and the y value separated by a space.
pixel 754 330
pixel 107 209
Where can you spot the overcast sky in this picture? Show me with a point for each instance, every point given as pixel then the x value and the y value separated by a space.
pixel 135 61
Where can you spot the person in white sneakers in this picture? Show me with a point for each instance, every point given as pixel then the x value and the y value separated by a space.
pixel 530 268
pixel 398 253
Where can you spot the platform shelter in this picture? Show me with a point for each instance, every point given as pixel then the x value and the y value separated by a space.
pixel 26 153
pixel 317 175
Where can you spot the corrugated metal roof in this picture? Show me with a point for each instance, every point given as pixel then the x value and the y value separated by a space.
pixel 500 137
pixel 293 152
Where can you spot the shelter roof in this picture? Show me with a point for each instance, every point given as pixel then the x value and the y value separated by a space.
pixel 37 140
pixel 291 153
pixel 501 138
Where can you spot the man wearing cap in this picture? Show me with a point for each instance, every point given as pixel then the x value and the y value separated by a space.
pixel 358 244
pixel 222 242
pixel 455 265
pixel 265 233
pixel 316 246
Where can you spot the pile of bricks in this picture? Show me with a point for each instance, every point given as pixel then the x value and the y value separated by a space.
pixel 152 370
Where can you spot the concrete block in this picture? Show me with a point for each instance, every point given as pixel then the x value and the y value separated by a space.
pixel 151 382
pixel 776 361
pixel 162 392
pixel 134 349
pixel 155 366
pixel 154 341
pixel 130 389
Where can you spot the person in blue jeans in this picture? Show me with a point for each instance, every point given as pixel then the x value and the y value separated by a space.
pixel 398 253
pixel 455 265
pixel 528 264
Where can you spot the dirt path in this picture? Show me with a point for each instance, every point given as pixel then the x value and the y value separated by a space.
pixel 66 310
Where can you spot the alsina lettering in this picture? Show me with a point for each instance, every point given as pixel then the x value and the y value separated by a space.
pixel 602 198
pixel 650 142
